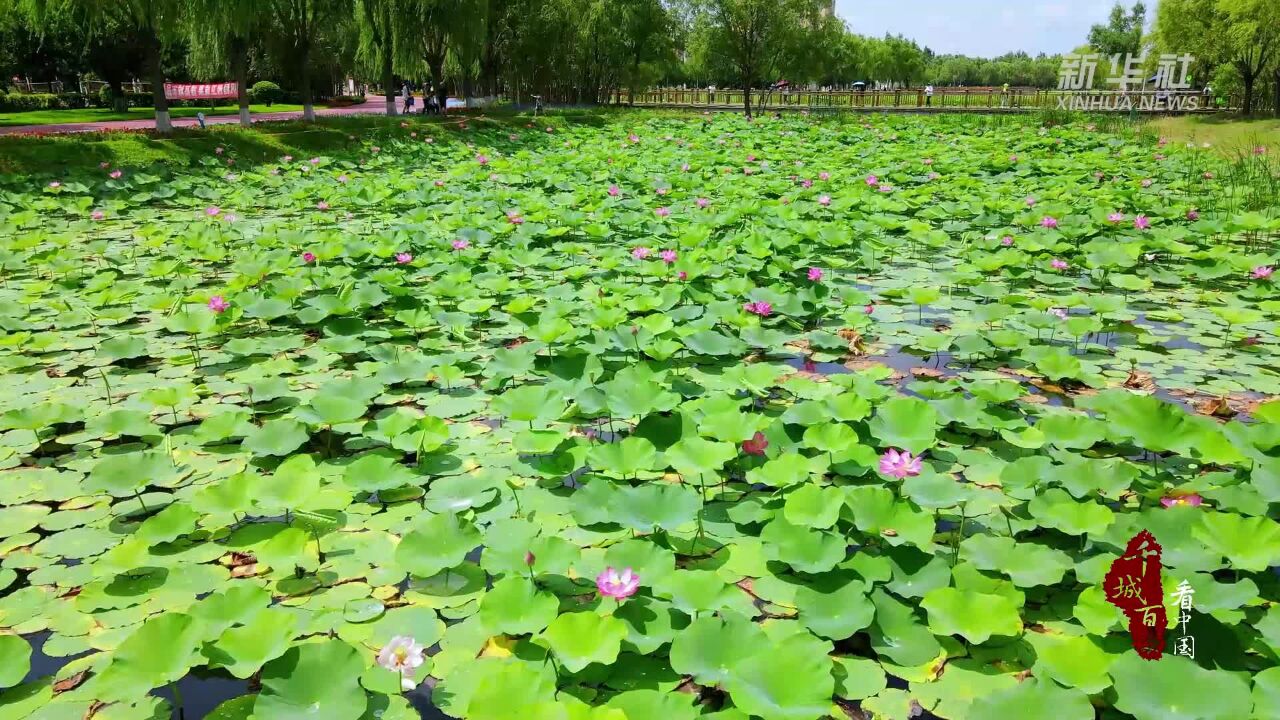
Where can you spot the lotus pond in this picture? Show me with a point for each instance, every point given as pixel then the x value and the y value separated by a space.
pixel 666 417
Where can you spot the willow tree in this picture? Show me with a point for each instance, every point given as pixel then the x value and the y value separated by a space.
pixel 378 21
pixel 296 27
pixel 755 35
pixel 220 34
pixel 153 22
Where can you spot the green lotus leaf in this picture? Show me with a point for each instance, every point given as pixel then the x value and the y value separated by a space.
pixel 436 543
pixel 276 437
pixel 581 638
pixel 122 475
pixel 1041 700
pixel 806 550
pixel 628 458
pixel 1177 688
pixel 973 615
pixel 835 606
pixel 1056 509
pixel 15 660
pixel 1077 661
pixel 905 423
pixel 858 678
pixel 244 649
pixel 515 606
pixel 813 506
pixel 1028 564
pixel 159 651
pixel 316 680
pixel 710 647
pixel 696 456
pixel 898 634
pixel 530 403
pixel 803 691
pixel 647 507
pixel 788 468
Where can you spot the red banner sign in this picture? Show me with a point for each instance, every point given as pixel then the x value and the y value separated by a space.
pixel 202 91
pixel 1133 585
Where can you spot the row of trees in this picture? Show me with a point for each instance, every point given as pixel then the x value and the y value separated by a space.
pixel 586 51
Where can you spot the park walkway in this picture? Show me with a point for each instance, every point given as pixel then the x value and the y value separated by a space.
pixel 374 105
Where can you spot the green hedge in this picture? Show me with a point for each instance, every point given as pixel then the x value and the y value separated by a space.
pixel 22 102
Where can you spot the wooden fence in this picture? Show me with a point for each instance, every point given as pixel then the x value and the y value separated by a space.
pixel 943 99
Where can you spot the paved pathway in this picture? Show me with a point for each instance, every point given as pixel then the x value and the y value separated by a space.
pixel 375 105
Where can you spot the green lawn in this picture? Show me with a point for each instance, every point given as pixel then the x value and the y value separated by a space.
pixel 59 117
pixel 1230 135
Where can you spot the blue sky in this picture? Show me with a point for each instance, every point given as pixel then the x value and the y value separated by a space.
pixel 983 28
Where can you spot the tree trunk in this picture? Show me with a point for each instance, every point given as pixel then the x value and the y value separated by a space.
pixel 388 78
pixel 1275 100
pixel 437 79
pixel 308 106
pixel 158 99
pixel 1248 79
pixel 240 69
pixel 746 98
pixel 119 103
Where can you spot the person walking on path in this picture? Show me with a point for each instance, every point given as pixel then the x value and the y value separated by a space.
pixel 928 95
pixel 1004 95
pixel 408 98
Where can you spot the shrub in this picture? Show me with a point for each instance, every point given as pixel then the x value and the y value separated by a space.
pixel 265 91
pixel 22 102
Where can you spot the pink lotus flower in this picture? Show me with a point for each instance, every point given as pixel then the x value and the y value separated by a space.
pixel 806 183
pixel 747 171
pixel 667 256
pixel 682 275
pixel 308 257
pixel 1007 240
pixel 439 183
pixel 1193 215
pixel 482 159
pixel 824 201
pixel 217 150
pixel 213 211
pixel 55 185
pixel 640 253
pixel 662 190
pixel 550 129
pixel 614 191
pixel 1149 257
pixel 815 274
pixel 403 258
pixel 1207 176
pixel 1099 175
pixel 1013 158
pixel 633 138
pixel 751 158
pixel 872 180
pixel 662 211
pixel 1049 221
pixel 322 205
pixel 104 164
pixel 1262 272
pixel 1146 182
pixel 1058 264
pixel 763 309
pixel 870 308
pixel 1192 499
pixel 403 655
pixel 514 217
pixel 1260 150
pixel 461 244
pixel 899 464
pixel 375 149
pixel 1141 222
pixel 684 167
pixel 115 174
pixel 824 175
pixel 932 176
pixel 97 215
pixel 315 161
pixel 756 445
pixel 703 202
pixel 1059 313
pixel 1116 217
pixel 927 161
pixel 617 585
pixel 343 178
pixel 287 159
pixel 1031 201
pixel 885 187
pixel 218 304
pixel 275 171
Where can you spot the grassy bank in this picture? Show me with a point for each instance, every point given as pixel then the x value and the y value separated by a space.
pixel 1229 135
pixel 63 117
